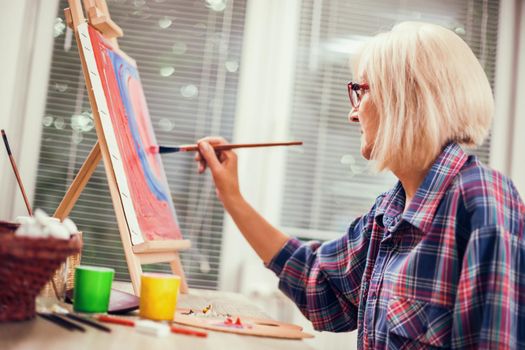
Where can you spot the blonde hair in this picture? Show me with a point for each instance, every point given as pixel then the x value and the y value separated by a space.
pixel 429 89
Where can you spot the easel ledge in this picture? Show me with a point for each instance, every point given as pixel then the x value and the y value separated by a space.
pixel 148 252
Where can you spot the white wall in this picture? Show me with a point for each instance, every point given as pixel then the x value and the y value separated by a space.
pixel 26 34
pixel 264 96
pixel 508 141
pixel 517 170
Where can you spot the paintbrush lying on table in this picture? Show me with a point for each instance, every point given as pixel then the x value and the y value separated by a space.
pixel 62 322
pixel 194 148
pixel 61 319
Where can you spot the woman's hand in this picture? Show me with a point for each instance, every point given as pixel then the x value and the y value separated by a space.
pixel 223 166
pixel 265 239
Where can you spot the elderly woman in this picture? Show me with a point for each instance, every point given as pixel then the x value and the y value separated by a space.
pixel 437 261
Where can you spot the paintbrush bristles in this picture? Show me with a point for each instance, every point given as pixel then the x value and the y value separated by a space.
pixel 164 149
pixel 6 143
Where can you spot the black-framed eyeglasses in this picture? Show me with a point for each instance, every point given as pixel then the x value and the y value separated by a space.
pixel 355 92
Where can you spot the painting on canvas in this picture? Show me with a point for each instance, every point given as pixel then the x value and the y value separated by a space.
pixel 129 134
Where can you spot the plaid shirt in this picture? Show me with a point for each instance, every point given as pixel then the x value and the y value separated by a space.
pixel 447 272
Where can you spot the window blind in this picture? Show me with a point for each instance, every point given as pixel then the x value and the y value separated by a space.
pixel 188 54
pixel 330 184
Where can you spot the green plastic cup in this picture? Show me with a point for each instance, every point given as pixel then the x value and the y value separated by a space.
pixel 92 288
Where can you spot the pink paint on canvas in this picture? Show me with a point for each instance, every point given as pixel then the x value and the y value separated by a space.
pixel 131 122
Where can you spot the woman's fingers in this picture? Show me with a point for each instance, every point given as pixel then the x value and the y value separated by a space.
pixel 213 140
pixel 201 162
pixel 208 153
pixel 222 164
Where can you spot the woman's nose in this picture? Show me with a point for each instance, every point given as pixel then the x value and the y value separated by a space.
pixel 352 116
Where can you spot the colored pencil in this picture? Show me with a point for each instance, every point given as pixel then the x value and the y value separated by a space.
pixel 88 321
pixel 186 331
pixel 15 169
pixel 193 148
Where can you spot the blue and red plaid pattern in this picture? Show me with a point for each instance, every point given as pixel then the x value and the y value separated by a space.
pixel 447 272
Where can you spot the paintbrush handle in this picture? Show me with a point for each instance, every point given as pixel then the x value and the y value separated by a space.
pixel 193 148
pixel 186 331
pixel 75 326
pixel 88 322
pixel 15 169
pixel 70 326
pixel 116 320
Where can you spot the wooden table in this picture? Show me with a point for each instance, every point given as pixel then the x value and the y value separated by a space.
pixel 41 334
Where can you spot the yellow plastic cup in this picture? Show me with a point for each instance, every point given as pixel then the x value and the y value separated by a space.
pixel 158 296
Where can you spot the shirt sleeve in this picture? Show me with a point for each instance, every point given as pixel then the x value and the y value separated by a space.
pixel 324 280
pixel 488 312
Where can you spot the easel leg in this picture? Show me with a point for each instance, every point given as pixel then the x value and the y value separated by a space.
pixel 135 271
pixel 176 268
pixel 79 182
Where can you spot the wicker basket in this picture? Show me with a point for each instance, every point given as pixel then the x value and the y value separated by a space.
pixel 64 276
pixel 26 265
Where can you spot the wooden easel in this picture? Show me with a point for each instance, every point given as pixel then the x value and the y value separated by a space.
pixel 149 252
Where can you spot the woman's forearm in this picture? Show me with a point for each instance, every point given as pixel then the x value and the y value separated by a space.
pixel 264 238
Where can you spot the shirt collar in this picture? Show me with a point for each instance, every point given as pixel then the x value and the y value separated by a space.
pixel 391 206
pixel 421 211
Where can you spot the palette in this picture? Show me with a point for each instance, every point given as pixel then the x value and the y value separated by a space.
pixel 242 325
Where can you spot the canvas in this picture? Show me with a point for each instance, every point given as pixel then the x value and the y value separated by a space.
pixel 129 134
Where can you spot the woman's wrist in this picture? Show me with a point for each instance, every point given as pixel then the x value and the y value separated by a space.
pixel 232 201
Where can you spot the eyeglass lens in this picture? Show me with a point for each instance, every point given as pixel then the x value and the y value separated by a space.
pixel 355 98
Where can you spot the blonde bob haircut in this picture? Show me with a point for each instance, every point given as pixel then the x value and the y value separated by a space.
pixel 429 89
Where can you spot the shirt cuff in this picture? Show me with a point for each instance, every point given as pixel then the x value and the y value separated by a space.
pixel 279 260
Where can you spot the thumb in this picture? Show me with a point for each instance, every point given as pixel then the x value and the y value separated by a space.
pixel 209 155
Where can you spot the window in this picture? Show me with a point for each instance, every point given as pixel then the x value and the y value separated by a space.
pixel 330 184
pixel 188 54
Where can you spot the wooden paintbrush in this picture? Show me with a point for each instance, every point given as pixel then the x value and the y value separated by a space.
pixel 21 185
pixel 15 169
pixel 194 148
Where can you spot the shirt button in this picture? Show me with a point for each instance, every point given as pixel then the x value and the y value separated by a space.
pixel 374 295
